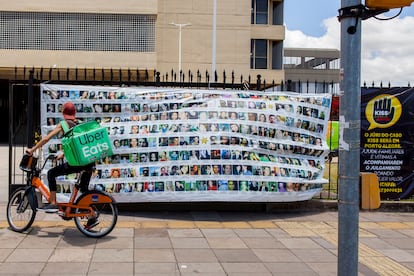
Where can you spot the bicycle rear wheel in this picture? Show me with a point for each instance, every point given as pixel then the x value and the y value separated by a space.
pixel 107 216
pixel 20 214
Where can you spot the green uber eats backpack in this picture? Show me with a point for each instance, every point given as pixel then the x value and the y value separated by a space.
pixel 85 143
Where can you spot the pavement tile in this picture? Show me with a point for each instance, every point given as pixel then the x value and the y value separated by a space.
pixel 76 241
pixel 104 268
pixel 65 268
pixel 201 268
pixel 209 243
pixel 11 241
pixel 366 234
pixel 262 243
pixel 235 224
pixel 26 269
pixel 299 243
pixel 275 255
pixel 181 224
pixel 116 242
pixel 30 254
pixel 159 268
pixel 151 232
pixel 408 265
pixel 195 255
pixel 247 267
pixel 262 224
pixel 236 255
pixel 300 232
pixel 386 233
pixel 232 242
pixel 127 232
pixel 398 255
pixel 376 243
pixel 316 225
pixel 152 242
pixel 407 232
pixel 314 255
pixel 370 225
pixel 277 233
pixel 219 233
pixel 394 225
pixel 189 243
pixel 4 253
pixel 154 255
pixel 208 224
pixel 154 224
pixel 289 267
pixel 76 255
pixel 324 243
pixel 252 233
pixel 185 233
pixel 101 255
pixel 323 268
pixel 39 242
pixel 402 243
pixel 383 266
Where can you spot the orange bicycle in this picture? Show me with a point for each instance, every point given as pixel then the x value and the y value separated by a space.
pixel 93 204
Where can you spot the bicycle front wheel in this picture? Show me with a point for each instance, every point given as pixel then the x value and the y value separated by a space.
pixel 20 214
pixel 105 219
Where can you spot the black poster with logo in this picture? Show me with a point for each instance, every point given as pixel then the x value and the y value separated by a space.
pixel 387 138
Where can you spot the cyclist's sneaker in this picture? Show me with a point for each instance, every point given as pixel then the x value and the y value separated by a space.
pixel 50 208
pixel 92 222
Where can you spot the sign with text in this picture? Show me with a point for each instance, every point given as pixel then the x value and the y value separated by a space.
pixel 387 138
pixel 201 145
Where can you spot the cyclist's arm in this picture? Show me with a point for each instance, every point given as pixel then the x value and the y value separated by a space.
pixel 45 139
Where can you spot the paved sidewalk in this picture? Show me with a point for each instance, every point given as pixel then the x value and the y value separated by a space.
pixel 208 243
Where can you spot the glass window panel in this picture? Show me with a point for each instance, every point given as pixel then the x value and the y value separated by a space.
pixel 77 31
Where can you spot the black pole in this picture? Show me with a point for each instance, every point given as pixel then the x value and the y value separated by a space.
pixel 11 128
pixel 30 105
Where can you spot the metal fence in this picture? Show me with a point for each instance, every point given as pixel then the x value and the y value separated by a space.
pixel 24 92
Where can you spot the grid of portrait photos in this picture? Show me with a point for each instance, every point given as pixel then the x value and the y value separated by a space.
pixel 205 141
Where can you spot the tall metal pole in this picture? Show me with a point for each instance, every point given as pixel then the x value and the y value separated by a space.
pixel 179 49
pixel 180 26
pixel 350 102
pixel 30 108
pixel 214 38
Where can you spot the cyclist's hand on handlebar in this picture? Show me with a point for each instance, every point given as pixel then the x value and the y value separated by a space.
pixel 29 151
pixel 60 156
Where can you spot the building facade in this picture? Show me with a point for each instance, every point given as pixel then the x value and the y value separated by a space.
pixel 242 36
pixel 109 39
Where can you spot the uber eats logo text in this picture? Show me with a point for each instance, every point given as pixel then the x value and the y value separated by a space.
pixel 92 144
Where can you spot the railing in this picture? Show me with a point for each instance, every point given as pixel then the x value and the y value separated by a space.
pixel 31 78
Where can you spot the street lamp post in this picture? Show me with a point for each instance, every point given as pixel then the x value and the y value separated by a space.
pixel 180 26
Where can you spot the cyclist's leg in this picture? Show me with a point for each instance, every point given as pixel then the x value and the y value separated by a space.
pixel 85 176
pixel 62 169
pixel 51 177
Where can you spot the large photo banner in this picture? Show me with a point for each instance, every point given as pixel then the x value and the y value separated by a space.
pixel 199 145
pixel 387 137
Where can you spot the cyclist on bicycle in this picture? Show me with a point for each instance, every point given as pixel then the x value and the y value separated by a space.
pixel 69 112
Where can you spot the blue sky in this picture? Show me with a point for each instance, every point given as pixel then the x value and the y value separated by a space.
pixel 387 53
pixel 307 15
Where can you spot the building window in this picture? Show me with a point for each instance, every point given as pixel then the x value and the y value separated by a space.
pixel 277 55
pixel 260 11
pixel 77 31
pixel 258 56
pixel 277 14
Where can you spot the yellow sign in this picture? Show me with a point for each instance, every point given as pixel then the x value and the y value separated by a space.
pixel 383 111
